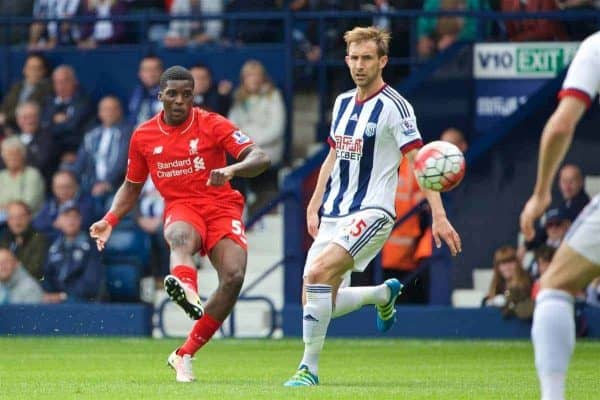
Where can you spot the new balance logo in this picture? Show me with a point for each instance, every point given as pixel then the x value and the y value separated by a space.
pixel 157 150
pixel 354 117
pixel 310 318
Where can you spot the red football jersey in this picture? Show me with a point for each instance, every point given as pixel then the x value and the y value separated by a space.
pixel 180 158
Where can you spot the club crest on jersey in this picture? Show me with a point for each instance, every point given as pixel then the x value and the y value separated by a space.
pixel 348 148
pixel 240 138
pixel 194 146
pixel 370 129
pixel 408 127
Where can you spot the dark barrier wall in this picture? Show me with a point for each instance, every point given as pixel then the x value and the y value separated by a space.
pixel 113 70
pixel 77 319
pixel 431 322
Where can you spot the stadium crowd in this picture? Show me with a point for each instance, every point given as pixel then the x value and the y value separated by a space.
pixel 62 163
pixel 62 157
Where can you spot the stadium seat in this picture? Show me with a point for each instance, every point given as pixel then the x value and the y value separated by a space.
pixel 128 245
pixel 482 279
pixel 467 298
pixel 123 282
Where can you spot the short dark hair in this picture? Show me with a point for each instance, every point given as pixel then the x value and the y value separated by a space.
pixel 175 73
pixel 544 253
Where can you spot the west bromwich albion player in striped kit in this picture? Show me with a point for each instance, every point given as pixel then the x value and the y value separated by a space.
pixel 372 127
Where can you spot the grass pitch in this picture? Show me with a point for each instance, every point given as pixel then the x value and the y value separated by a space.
pixel 93 368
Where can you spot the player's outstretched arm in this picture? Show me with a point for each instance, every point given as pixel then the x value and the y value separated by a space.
pixel 252 162
pixel 124 201
pixel 556 140
pixel 312 211
pixel 441 228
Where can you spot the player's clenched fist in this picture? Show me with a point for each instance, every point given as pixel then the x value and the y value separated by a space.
pixel 100 231
pixel 219 177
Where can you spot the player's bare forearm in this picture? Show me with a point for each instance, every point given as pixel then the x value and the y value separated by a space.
pixel 435 203
pixel 126 198
pixel 556 140
pixel 324 174
pixel 252 162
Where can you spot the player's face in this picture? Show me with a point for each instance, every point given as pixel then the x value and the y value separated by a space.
pixel 177 98
pixel 364 63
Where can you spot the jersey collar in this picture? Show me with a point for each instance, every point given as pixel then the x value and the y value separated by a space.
pixel 360 102
pixel 181 128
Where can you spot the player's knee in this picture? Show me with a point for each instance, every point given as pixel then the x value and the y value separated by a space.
pixel 318 272
pixel 233 280
pixel 179 239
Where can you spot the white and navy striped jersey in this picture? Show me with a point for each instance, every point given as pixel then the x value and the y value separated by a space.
pixel 369 138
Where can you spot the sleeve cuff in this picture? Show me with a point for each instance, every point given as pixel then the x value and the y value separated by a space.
pixel 330 142
pixel 242 149
pixel 577 93
pixel 415 144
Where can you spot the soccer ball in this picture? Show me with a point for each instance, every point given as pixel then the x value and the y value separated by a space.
pixel 439 166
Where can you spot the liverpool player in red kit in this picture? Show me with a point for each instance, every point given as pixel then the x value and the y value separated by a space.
pixel 184 151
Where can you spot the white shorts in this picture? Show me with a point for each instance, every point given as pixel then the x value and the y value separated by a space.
pixel 362 234
pixel 584 234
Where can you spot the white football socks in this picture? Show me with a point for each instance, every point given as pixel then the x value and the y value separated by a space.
pixel 349 299
pixel 553 335
pixel 316 317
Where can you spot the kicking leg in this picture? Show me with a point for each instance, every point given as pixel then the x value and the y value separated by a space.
pixel 182 284
pixel 320 285
pixel 229 259
pixel 553 331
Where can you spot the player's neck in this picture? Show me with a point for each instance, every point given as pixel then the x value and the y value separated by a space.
pixel 366 92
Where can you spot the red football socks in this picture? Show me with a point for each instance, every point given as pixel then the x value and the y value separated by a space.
pixel 187 275
pixel 201 333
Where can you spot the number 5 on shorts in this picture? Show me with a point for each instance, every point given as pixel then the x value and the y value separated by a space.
pixel 358 227
pixel 237 229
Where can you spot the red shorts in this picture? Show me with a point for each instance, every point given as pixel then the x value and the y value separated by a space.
pixel 212 221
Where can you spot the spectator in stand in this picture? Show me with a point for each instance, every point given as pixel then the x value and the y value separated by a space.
pixel 64 188
pixel 523 30
pixel 102 157
pixel 570 183
pixel 543 256
pixel 456 137
pixel 29 245
pixel 185 32
pixel 557 223
pixel 73 272
pixel 574 199
pixel 35 86
pixel 41 151
pixel 17 286
pixel 437 34
pixel 61 31
pixel 258 110
pixel 411 243
pixel 19 181
pixel 508 277
pixel 150 219
pixel 144 102
pixel 208 96
pixel 104 31
pixel 66 114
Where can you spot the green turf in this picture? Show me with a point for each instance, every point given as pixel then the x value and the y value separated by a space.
pixel 75 368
